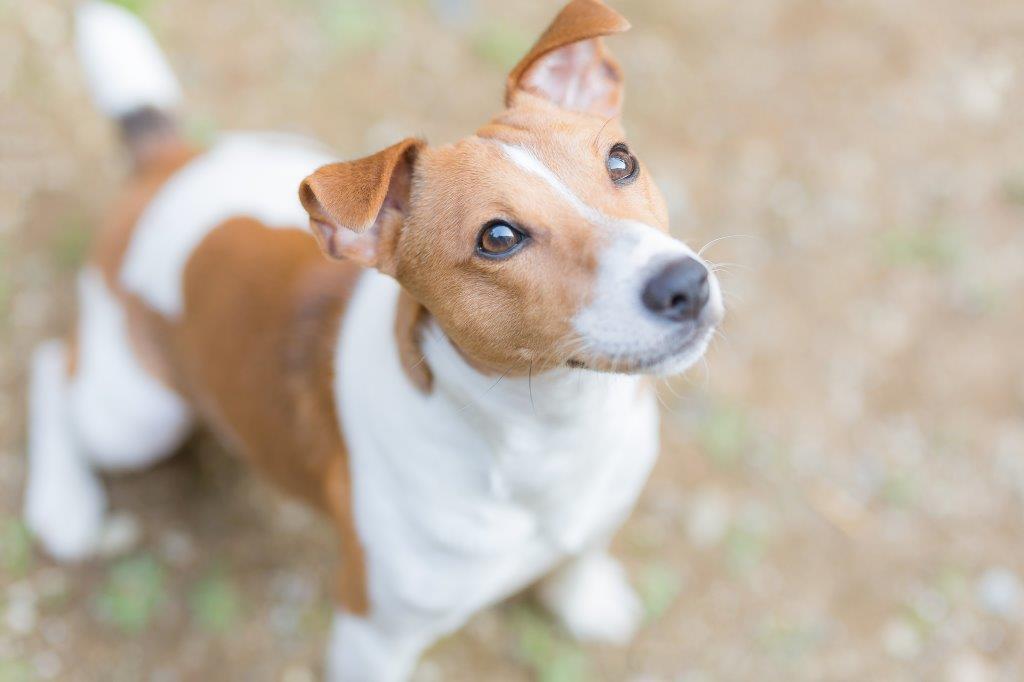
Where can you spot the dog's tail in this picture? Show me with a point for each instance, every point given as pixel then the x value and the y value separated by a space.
pixel 127 75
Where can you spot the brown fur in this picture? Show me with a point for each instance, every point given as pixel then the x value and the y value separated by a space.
pixel 255 347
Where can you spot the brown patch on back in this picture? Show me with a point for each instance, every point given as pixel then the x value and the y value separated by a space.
pixel 255 349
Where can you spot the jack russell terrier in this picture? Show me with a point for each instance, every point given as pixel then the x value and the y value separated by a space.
pixel 459 387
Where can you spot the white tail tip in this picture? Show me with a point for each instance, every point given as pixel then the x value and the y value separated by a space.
pixel 124 68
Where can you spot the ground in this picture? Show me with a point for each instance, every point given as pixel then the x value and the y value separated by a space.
pixel 841 491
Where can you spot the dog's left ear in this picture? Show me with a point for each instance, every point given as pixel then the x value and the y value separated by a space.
pixel 356 208
pixel 569 64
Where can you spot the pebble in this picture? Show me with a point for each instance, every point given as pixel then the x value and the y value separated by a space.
pixel 47 665
pixel 1000 593
pixel 969 667
pixel 21 616
pixel 901 640
pixel 121 534
pixel 709 518
pixel 177 548
pixel 56 633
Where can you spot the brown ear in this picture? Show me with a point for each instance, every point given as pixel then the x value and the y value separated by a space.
pixel 356 208
pixel 569 64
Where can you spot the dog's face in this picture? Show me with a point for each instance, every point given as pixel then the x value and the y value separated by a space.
pixel 541 241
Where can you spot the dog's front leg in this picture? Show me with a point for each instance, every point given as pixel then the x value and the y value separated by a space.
pixel 591 596
pixel 366 650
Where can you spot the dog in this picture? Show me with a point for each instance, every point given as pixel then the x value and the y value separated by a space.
pixel 461 386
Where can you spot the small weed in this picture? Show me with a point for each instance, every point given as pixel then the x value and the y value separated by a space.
pixel 938 248
pixel 659 586
pixel 501 45
pixel 215 602
pixel 15 547
pixel 549 654
pixel 132 594
pixel 724 435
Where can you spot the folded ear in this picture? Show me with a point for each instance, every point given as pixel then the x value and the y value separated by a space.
pixel 356 208
pixel 569 64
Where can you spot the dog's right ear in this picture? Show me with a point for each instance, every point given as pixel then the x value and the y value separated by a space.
pixel 356 208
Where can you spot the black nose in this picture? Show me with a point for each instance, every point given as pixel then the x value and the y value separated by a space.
pixel 678 291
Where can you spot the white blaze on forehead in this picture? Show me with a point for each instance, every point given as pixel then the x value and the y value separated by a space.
pixel 528 161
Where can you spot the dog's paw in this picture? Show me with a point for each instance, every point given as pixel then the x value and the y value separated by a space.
pixel 593 600
pixel 65 511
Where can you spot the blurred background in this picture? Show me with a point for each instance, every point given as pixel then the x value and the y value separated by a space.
pixel 841 491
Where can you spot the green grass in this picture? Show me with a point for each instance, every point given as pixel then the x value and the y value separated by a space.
pixel 70 244
pixel 200 130
pixel 1013 189
pixel 14 670
pixel 6 286
pixel 547 652
pixel 937 247
pixel 501 45
pixel 357 24
pixel 659 588
pixel 899 490
pixel 745 547
pixel 785 640
pixel 138 7
pixel 15 547
pixel 132 594
pixel 724 434
pixel 215 602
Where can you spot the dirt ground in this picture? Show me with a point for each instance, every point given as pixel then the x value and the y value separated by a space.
pixel 841 491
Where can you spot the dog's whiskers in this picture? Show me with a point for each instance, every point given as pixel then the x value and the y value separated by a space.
pixel 719 239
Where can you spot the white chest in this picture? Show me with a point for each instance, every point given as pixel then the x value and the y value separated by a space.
pixel 466 495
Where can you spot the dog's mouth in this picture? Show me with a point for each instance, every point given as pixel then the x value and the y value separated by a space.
pixel 672 357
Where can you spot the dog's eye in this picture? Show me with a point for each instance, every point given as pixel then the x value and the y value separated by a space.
pixel 498 238
pixel 622 165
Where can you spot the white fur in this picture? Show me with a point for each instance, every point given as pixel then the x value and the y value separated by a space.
pixel 64 500
pixel 125 418
pixel 593 599
pixel 487 484
pixel 111 415
pixel 616 325
pixel 244 174
pixel 123 66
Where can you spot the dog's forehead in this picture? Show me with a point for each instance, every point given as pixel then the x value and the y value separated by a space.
pixel 567 151
pixel 535 160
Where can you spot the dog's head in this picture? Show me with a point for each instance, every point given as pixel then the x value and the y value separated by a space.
pixel 540 241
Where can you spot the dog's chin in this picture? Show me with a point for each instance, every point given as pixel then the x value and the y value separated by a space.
pixel 673 357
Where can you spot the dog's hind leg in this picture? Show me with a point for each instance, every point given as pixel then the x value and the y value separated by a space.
pixel 64 499
pixel 109 413
pixel 126 418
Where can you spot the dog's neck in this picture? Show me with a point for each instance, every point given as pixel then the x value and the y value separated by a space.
pixel 550 397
